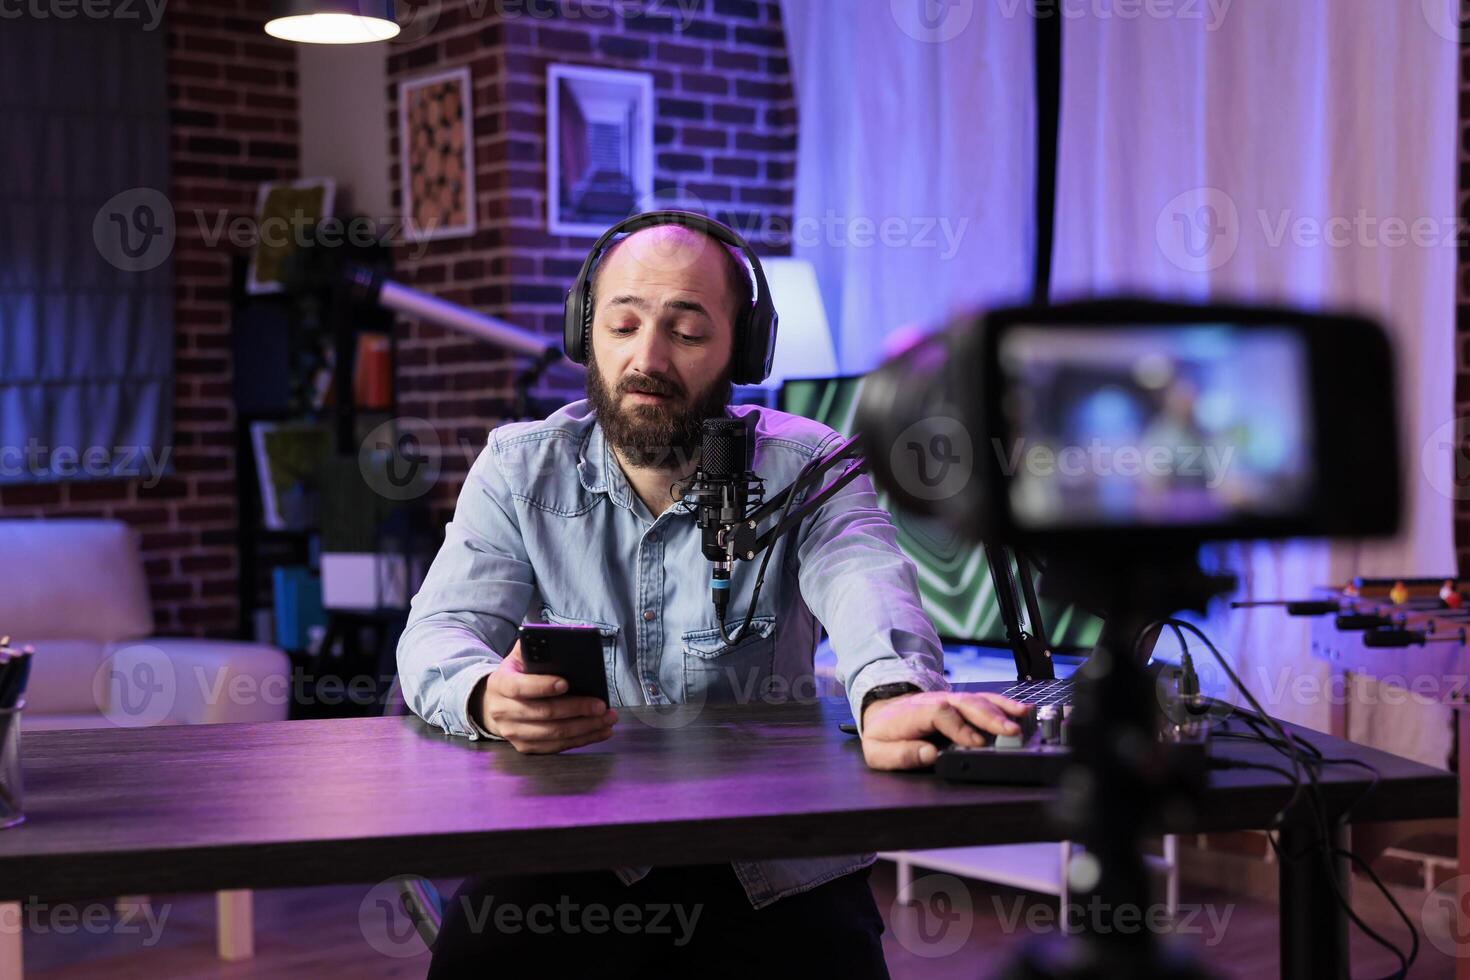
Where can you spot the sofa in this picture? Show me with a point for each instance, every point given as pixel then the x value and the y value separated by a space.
pixel 77 592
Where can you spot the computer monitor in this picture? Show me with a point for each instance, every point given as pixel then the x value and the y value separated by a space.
pixel 954 577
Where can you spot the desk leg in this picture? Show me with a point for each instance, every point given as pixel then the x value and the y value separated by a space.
pixel 235 915
pixel 1339 682
pixel 1462 835
pixel 1314 938
pixel 10 934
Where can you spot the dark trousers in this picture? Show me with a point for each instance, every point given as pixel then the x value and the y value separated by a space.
pixel 694 918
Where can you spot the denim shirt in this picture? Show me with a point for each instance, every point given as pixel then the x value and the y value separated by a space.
pixel 547 529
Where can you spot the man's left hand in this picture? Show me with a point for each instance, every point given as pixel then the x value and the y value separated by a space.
pixel 895 729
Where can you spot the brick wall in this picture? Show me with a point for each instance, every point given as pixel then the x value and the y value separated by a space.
pixel 232 106
pixel 725 135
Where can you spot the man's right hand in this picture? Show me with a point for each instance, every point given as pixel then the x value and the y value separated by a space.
pixel 534 713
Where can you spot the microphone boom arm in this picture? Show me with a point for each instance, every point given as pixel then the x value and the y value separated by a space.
pixel 1032 649
pixel 748 542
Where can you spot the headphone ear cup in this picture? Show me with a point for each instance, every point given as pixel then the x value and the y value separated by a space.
pixel 762 365
pixel 571 319
pixel 755 342
pixel 586 343
pixel 576 323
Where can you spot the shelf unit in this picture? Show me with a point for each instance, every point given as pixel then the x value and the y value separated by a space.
pixel 280 342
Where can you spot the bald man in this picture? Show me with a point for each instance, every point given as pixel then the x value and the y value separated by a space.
pixel 577 520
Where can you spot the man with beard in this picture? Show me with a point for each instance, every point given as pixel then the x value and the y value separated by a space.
pixel 577 520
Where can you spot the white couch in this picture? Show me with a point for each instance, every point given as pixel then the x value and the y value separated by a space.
pixel 76 591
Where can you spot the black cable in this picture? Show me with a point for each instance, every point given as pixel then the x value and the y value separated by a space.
pixel 1255 734
pixel 1297 768
pixel 1247 764
pixel 1279 817
pixel 1326 854
pixel 1373 785
pixel 1378 883
pixel 1366 929
pixel 1290 745
pixel 760 577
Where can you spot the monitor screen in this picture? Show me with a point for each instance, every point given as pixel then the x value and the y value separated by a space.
pixel 954 578
pixel 1152 426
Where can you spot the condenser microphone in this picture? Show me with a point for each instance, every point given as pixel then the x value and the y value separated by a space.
pixel 729 504
pixel 724 489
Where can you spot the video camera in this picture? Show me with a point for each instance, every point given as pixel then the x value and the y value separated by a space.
pixel 1145 425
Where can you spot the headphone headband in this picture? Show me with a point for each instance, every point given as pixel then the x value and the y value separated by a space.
pixel 755 328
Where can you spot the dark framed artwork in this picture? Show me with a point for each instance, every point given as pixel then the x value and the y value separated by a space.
pixel 599 147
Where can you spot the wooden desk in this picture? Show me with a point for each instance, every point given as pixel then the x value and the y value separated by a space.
pixel 202 808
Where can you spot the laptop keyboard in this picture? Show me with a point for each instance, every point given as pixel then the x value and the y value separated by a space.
pixel 1041 692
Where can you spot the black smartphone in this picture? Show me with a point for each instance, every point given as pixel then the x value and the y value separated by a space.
pixel 573 653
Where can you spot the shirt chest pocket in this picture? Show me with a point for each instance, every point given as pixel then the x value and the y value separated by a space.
pixel 742 673
pixel 609 634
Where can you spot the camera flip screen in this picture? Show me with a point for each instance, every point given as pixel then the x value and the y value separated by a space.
pixel 1185 425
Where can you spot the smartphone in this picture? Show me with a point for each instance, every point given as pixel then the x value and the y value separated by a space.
pixel 573 653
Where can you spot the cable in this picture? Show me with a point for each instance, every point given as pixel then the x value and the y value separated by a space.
pixel 1296 764
pixel 1373 785
pixel 1326 854
pixel 1378 883
pixel 760 577
pixel 1366 929
pixel 1290 745
pixel 1294 776
pixel 1247 764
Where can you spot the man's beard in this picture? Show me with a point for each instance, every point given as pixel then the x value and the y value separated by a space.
pixel 662 436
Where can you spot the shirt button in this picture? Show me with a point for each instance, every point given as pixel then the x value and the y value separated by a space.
pixel 653 690
pixel 653 537
pixel 648 615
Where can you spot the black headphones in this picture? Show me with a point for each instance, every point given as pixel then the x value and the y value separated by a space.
pixel 755 331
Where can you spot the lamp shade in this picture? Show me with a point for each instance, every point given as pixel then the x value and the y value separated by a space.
pixel 804 340
pixel 332 21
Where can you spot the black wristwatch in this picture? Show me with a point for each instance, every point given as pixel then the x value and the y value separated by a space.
pixel 883 692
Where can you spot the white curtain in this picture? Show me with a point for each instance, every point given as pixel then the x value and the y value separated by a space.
pixel 1302 152
pixel 916 161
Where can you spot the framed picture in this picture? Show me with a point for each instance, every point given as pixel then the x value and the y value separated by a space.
pixel 436 137
pixel 599 147
pixel 283 209
pixel 288 460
